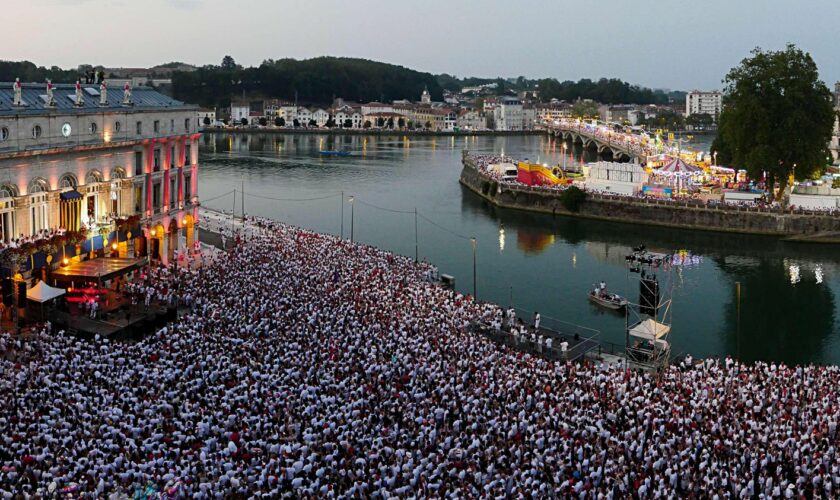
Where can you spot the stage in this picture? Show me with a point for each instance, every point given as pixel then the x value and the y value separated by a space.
pixel 96 270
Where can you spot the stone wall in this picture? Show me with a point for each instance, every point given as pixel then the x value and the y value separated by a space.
pixel 642 212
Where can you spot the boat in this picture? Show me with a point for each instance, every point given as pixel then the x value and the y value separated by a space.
pixel 607 300
pixel 334 153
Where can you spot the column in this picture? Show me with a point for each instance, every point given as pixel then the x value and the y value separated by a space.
pixel 182 155
pixel 149 167
pixel 166 166
pixel 163 249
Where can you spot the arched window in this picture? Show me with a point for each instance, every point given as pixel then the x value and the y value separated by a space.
pixel 119 173
pixel 93 177
pixel 38 185
pixel 8 191
pixel 67 181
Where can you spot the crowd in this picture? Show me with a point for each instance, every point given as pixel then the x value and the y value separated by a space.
pixel 305 366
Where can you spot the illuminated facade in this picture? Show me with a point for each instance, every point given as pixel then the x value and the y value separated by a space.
pixel 74 156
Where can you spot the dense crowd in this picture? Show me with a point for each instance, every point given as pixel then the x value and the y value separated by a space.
pixel 306 366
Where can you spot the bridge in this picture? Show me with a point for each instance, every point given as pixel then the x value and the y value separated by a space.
pixel 611 144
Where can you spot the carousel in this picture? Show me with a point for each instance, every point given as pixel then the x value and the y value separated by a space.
pixel 680 176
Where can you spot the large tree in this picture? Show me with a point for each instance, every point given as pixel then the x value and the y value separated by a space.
pixel 777 117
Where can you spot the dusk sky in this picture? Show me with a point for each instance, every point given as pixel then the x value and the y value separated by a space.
pixel 677 44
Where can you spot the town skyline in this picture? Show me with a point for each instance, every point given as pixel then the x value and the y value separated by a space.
pixel 677 46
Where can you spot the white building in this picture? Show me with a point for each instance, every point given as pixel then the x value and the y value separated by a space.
pixel 698 102
pixel 321 117
pixel 348 117
pixel 372 108
pixel 205 117
pixel 471 120
pixel 426 97
pixel 238 111
pixel 303 116
pixel 508 114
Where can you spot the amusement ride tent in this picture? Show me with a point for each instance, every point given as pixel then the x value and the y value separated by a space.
pixel 678 172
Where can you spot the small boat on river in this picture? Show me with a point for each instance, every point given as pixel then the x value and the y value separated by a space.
pixel 334 153
pixel 599 296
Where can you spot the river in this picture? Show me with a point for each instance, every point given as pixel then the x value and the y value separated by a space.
pixel 544 263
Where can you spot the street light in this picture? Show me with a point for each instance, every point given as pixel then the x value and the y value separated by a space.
pixel 351 219
pixel 564 156
pixel 475 292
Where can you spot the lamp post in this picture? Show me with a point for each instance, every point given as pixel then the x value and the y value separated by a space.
pixel 342 215
pixel 564 156
pixel 351 219
pixel 714 157
pixel 475 290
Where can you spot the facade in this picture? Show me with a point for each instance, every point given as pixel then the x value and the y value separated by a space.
pixel 425 97
pixel 93 156
pixel 472 120
pixel 238 111
pixel 697 102
pixel 321 117
pixel 209 114
pixel 508 114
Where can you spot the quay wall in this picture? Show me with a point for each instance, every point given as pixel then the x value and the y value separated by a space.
pixel 372 132
pixel 803 227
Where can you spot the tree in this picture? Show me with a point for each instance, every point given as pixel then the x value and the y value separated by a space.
pixel 228 64
pixel 367 124
pixel 585 109
pixel 777 116
pixel 348 123
pixel 296 123
pixel 700 120
pixel 279 122
pixel 428 125
pixel 410 125
pixel 401 123
pixel 391 122
pixel 206 121
pixel 312 122
pixel 263 121
pixel 243 121
pixel 330 122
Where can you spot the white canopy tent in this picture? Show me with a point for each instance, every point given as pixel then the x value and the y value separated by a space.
pixel 649 329
pixel 42 292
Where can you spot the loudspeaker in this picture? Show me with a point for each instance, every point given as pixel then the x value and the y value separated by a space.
pixel 8 296
pixel 21 294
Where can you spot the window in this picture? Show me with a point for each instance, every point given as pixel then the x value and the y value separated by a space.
pixel 173 192
pixel 39 213
pixel 36 132
pixel 156 196
pixel 187 155
pixel 138 163
pixel 187 124
pixel 172 160
pixel 187 190
pixel 67 181
pixel 117 126
pixel 156 126
pixel 156 163
pixel 4 133
pixel 139 128
pixel 93 127
pixel 138 199
pixel 172 125
pixel 7 191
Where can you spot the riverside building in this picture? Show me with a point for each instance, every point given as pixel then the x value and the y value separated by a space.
pixel 118 164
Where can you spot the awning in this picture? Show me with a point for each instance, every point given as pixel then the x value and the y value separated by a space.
pixel 42 292
pixel 649 330
pixel 70 195
pixel 103 268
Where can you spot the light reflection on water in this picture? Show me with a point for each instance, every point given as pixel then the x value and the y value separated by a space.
pixel 546 263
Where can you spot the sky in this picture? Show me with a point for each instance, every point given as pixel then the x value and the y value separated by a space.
pixel 674 44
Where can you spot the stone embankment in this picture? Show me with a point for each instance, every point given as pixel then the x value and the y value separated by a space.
pixel 749 220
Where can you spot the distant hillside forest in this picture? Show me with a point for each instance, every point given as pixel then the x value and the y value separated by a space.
pixel 321 79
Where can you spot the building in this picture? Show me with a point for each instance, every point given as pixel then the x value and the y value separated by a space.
pixel 508 114
pixel 471 119
pixel 205 117
pixel 85 157
pixel 376 107
pixel 425 97
pixel 321 117
pixel 240 110
pixel 698 102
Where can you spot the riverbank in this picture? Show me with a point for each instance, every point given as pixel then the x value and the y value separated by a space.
pixel 369 132
pixel 800 227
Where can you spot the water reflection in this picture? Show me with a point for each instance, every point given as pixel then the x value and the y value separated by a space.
pixel 788 290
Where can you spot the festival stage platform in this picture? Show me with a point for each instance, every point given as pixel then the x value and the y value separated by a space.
pixel 129 322
pixel 100 269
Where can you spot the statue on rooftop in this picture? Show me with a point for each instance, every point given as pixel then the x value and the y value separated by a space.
pixel 18 100
pixel 127 93
pixel 50 96
pixel 103 94
pixel 80 101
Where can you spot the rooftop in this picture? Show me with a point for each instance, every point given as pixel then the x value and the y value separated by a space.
pixel 34 99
